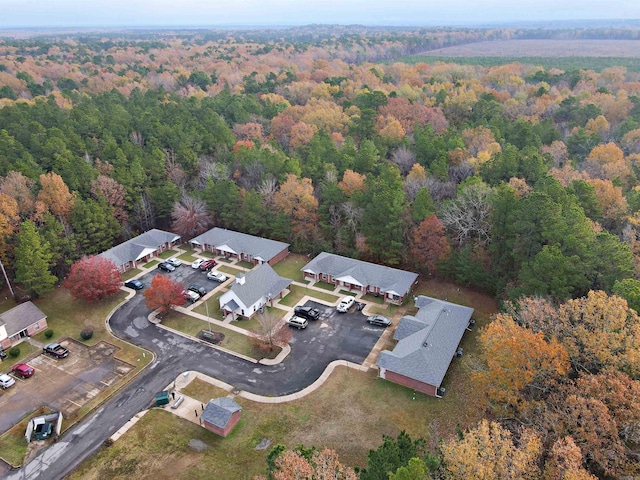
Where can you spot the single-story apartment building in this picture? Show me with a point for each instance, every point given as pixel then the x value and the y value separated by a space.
pixel 221 415
pixel 427 343
pixel 252 291
pixel 141 249
pixel 241 246
pixel 365 277
pixel 19 323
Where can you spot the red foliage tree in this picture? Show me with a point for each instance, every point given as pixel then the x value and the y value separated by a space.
pixel 164 294
pixel 93 278
pixel 429 243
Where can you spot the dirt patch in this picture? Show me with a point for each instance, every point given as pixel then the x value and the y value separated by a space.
pixel 198 445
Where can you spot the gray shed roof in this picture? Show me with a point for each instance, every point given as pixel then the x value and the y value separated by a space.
pixel 389 279
pixel 219 410
pixel 20 317
pixel 138 247
pixel 263 248
pixel 427 341
pixel 261 281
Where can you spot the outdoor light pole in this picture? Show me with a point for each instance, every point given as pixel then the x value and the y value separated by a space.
pixel 7 279
pixel 206 304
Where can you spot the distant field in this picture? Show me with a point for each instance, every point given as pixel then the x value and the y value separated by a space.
pixel 562 54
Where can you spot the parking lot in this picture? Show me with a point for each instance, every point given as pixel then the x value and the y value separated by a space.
pixel 64 385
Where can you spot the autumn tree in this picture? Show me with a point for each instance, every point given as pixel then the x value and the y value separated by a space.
pixel 308 464
pixel 296 200
pixel 565 462
pixel 190 217
pixel 93 279
pixel 489 451
pixel 163 294
pixel 429 244
pixel 56 195
pixel 352 182
pixel 20 188
pixel 33 260
pixel 113 193
pixel 270 333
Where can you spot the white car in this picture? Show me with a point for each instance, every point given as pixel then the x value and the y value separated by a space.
pixel 6 381
pixel 345 304
pixel 197 263
pixel 217 277
pixel 174 261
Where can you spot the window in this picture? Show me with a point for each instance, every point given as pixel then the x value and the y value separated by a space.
pixel 37 327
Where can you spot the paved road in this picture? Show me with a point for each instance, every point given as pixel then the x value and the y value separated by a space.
pixel 335 336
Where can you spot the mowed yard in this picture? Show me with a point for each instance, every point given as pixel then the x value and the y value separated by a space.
pixel 349 413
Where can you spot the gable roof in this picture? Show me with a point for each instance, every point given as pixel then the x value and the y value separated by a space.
pixel 390 280
pixel 139 247
pixel 427 341
pixel 262 248
pixel 219 410
pixel 261 281
pixel 20 317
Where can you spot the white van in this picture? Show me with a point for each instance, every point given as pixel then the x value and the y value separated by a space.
pixel 297 322
pixel 6 381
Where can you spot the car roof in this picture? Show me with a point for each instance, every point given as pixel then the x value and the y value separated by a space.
pixel 4 376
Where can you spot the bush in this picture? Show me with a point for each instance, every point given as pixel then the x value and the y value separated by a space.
pixel 14 352
pixel 86 333
pixel 48 333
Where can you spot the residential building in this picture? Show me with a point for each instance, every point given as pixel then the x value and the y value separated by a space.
pixel 355 275
pixel 141 249
pixel 427 343
pixel 19 323
pixel 241 246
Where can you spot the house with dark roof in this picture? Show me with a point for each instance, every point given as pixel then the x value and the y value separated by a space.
pixel 427 343
pixel 19 323
pixel 365 277
pixel 242 246
pixel 141 249
pixel 221 415
pixel 252 291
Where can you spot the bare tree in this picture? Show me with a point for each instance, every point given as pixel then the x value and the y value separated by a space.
pixel 352 215
pixel 190 217
pixel 268 189
pixel 440 190
pixel 459 173
pixel 144 214
pixel 270 333
pixel 253 174
pixel 412 185
pixel 467 216
pixel 404 158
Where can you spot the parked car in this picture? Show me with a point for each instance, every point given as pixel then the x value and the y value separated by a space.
pixel 3 354
pixel 135 284
pixel 6 381
pixel 207 265
pixel 55 350
pixel 191 296
pixel 309 313
pixel 198 289
pixel 379 320
pixel 360 306
pixel 297 322
pixel 345 304
pixel 217 277
pixel 197 262
pixel 167 267
pixel 174 261
pixel 23 370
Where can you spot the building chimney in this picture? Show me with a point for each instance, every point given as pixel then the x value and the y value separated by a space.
pixel 240 279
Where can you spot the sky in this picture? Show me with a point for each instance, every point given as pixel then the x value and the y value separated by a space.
pixel 96 13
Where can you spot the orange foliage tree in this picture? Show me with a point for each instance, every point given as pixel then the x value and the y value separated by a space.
pixel 429 244
pixel 55 195
pixel 163 294
pixel 295 199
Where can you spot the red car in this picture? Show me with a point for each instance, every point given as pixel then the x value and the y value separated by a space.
pixel 207 265
pixel 23 370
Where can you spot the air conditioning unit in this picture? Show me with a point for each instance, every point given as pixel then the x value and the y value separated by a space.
pixel 441 391
pixel 459 352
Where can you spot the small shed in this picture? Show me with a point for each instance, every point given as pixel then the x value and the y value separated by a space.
pixel 221 415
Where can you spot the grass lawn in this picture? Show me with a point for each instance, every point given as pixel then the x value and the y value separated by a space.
pixel 296 293
pixel 229 270
pixel 208 254
pixel 348 293
pixel 214 307
pixel 26 351
pixel 373 299
pixel 130 274
pixel 13 444
pixel 247 265
pixel 150 264
pixel 203 391
pixel 324 285
pixel 167 254
pixel 290 267
pixel 188 256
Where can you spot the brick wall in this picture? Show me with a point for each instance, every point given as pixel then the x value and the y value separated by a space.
pixel 411 383
pixel 279 256
pixel 37 327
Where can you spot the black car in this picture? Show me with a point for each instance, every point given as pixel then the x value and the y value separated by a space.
pixel 309 313
pixel 3 355
pixel 167 267
pixel 135 284
pixel 379 320
pixel 198 289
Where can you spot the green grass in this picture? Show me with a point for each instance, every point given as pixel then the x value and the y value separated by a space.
pixel 188 256
pixel 13 444
pixel 214 307
pixel 296 293
pixel 348 293
pixel 203 391
pixel 167 254
pixel 150 264
pixel 208 254
pixel 229 270
pixel 26 351
pixel 324 285
pixel 373 299
pixel 247 265
pixel 290 267
pixel 129 274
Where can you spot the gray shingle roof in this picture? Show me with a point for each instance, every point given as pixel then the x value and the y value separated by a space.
pixel 138 247
pixel 427 341
pixel 389 279
pixel 20 317
pixel 219 410
pixel 261 281
pixel 263 248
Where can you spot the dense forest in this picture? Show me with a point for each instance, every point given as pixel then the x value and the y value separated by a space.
pixel 517 180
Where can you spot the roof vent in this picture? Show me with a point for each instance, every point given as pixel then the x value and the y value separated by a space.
pixel 240 279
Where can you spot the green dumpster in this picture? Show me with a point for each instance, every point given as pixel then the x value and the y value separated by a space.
pixel 162 398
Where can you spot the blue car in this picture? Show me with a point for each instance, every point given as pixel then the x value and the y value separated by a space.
pixel 135 284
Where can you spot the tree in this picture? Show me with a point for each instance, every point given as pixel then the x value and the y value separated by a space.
pixel 308 464
pixel 190 217
pixel 415 470
pixel 429 244
pixel 629 289
pixel 352 182
pixel 270 334
pixel 392 455
pixel 93 279
pixel 33 260
pixel 19 187
pixel 467 216
pixel 565 462
pixel 489 451
pixel 113 193
pixel 55 195
pixel 163 294
pixel 296 200
pixel 95 226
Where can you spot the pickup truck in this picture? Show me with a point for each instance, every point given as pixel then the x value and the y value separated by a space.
pixel 55 350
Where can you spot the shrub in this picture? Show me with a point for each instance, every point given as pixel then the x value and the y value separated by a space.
pixel 14 352
pixel 48 333
pixel 86 333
